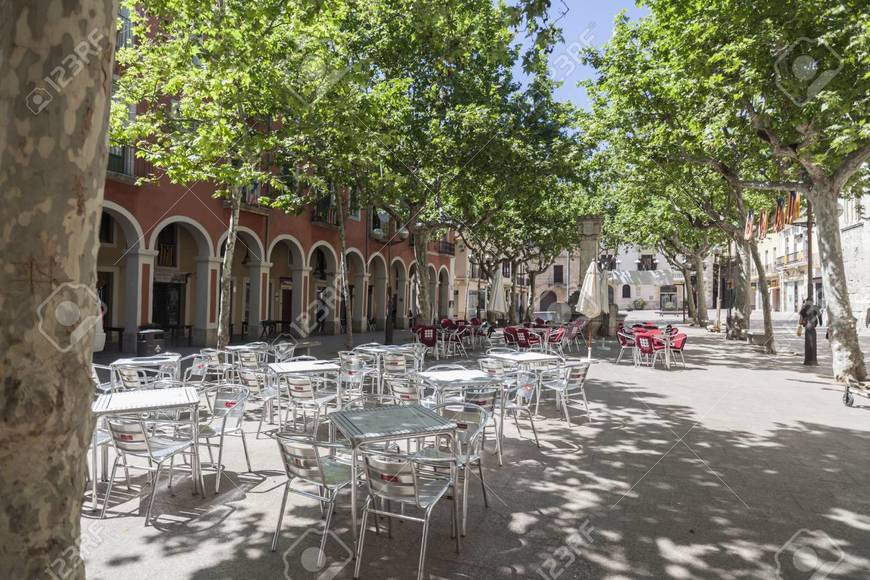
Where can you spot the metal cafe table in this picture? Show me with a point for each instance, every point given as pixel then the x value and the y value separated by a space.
pixel 386 424
pixel 525 359
pixel 465 378
pixel 156 362
pixel 147 400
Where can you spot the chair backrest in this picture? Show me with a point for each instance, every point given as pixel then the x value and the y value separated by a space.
pixel 644 342
pixel 428 336
pixel 485 396
pixel 198 368
pixel 492 367
pixel 523 338
pixel 300 386
pixel 575 376
pixel 254 381
pixel 128 435
pixel 625 339
pixel 249 359
pixel 353 369
pixel 212 355
pixel 510 335
pixel 680 341
pixel 304 357
pixel 396 363
pixel 301 457
pixel 131 377
pixel 524 388
pixel 229 404
pixel 390 476
pixel 446 367
pixel 406 389
pixel 284 351
pixel 557 335
pixel 470 422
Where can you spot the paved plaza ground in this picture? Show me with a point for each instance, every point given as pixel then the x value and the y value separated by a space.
pixel 735 467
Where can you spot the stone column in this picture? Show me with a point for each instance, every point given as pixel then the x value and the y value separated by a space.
pixel 138 292
pixel 360 284
pixel 258 305
pixel 206 314
pixel 379 302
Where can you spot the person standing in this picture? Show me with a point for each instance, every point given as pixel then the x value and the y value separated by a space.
pixel 810 319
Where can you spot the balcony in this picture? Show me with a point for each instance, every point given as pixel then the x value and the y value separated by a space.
pixel 325 212
pixel 795 257
pixel 445 248
pixel 166 255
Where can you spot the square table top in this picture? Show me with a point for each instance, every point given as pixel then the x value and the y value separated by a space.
pixel 467 376
pixel 361 425
pixel 144 361
pixel 303 366
pixel 524 357
pixel 145 400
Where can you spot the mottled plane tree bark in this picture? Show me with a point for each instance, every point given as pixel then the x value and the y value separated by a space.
pixel 56 71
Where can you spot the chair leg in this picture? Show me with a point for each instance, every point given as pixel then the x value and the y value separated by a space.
pixel 217 480
pixel 171 466
pixel 154 485
pixel 424 542
pixel 586 404
pixel 280 516
pixel 321 558
pixel 247 456
pixel 534 431
pixel 482 483
pixel 565 407
pixel 362 536
pixel 465 476
pixel 126 471
pixel 109 489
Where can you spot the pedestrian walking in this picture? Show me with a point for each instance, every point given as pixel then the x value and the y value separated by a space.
pixel 810 319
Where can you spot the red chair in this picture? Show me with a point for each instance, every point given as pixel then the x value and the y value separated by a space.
pixel 475 321
pixel 679 346
pixel 428 337
pixel 510 336
pixel 626 342
pixel 526 339
pixel 645 348
pixel 556 339
pixel 540 322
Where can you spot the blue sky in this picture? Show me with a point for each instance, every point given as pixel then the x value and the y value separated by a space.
pixel 583 22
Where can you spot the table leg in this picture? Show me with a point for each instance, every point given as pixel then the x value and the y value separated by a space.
pixel 94 473
pixel 353 516
pixel 195 464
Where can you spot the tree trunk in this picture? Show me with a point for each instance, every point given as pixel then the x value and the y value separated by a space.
pixel 421 253
pixel 533 282
pixel 690 296
pixel 742 299
pixel 223 338
pixel 53 153
pixel 700 289
pixel 342 274
pixel 770 347
pixel 512 315
pixel 848 360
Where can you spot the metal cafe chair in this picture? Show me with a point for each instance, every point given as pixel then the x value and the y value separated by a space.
pixel 313 463
pixel 138 438
pixel 400 478
pixel 569 382
pixel 227 413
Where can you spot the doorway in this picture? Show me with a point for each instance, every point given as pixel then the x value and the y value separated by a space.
pixel 169 304
pixel 105 287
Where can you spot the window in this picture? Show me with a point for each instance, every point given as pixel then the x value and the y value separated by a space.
pixel 647 262
pixel 558 277
pixel 107 229
pixel 353 205
pixel 506 269
pixel 167 247
pixel 626 291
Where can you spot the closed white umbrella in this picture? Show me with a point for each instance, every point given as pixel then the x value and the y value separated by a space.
pixel 498 303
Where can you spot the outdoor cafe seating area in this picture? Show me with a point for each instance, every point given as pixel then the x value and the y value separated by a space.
pixel 390 432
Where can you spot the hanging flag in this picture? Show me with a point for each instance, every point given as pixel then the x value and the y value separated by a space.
pixel 790 209
pixel 797 206
pixel 779 216
pixel 762 225
pixel 749 227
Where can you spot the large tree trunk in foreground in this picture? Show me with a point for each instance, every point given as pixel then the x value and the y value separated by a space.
pixel 421 253
pixel 342 273
pixel 700 288
pixel 770 347
pixel 224 337
pixel 848 360
pixel 52 172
